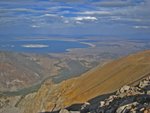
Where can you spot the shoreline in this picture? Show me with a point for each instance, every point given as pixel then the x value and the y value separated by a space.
pixel 87 43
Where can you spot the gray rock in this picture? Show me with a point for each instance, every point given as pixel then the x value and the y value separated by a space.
pixel 127 99
pixel 125 108
pixel 144 83
pixel 148 92
pixel 102 103
pixel 64 111
pixel 85 107
pixel 124 89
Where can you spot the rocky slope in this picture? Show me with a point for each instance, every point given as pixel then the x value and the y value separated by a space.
pixel 128 99
pixel 101 80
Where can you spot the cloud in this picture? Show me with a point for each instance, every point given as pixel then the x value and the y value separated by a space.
pixel 95 12
pixel 85 18
pixel 48 15
pixel 141 27
pixel 35 46
pixel 114 3
pixel 67 17
pixel 35 26
pixel 125 19
pixel 143 9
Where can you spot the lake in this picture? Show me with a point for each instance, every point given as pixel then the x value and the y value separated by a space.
pixel 40 46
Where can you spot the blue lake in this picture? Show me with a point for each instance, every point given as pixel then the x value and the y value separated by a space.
pixel 40 46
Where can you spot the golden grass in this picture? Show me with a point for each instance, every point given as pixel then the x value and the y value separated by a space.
pixel 98 81
pixel 108 78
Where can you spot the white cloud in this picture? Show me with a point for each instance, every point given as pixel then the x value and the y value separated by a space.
pixel 35 46
pixel 66 21
pixel 96 12
pixel 122 18
pixel 141 27
pixel 20 10
pixel 35 26
pixel 49 15
pixel 59 7
pixel 79 22
pixel 114 3
pixel 85 18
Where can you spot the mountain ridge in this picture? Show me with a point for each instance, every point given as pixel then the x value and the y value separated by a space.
pixel 98 81
pixel 18 71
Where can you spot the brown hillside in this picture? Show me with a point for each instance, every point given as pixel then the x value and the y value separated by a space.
pixel 17 71
pixel 100 80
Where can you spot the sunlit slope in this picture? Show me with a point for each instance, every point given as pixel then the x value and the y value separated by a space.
pixel 98 81
pixel 110 77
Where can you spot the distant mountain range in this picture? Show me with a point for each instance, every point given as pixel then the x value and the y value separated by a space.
pixel 19 71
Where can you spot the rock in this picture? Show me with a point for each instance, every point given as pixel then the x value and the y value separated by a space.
pixel 101 111
pixel 85 107
pixel 148 92
pixel 126 100
pixel 102 103
pixel 111 98
pixel 125 108
pixel 122 91
pixel 64 111
pixel 142 109
pixel 129 91
pixel 147 111
pixel 144 83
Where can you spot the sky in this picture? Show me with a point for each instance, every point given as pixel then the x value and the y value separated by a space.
pixel 74 18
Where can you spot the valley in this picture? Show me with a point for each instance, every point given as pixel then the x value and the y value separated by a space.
pixel 26 71
pixel 53 94
pixel 74 56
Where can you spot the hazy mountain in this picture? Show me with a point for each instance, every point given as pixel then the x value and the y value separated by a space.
pixel 18 71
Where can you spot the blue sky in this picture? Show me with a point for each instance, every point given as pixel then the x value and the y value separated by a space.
pixel 108 18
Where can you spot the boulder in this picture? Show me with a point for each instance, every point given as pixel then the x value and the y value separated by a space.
pixel 144 83
pixel 125 108
pixel 123 90
pixel 147 111
pixel 64 111
pixel 102 103
pixel 85 108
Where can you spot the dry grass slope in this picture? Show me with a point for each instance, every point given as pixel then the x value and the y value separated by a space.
pixel 98 81
pixel 109 78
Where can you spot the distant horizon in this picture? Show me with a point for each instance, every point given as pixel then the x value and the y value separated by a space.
pixel 117 18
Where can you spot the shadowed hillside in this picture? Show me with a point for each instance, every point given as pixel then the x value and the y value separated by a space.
pixel 18 71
